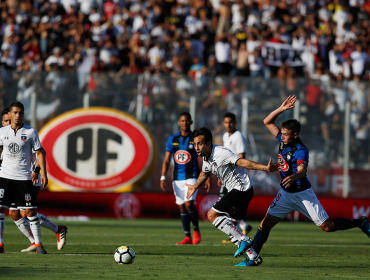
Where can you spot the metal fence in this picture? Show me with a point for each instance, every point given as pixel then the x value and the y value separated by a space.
pixel 157 101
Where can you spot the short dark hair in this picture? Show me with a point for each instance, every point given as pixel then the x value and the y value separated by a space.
pixel 231 116
pixel 293 125
pixel 5 111
pixel 17 105
pixel 185 114
pixel 203 132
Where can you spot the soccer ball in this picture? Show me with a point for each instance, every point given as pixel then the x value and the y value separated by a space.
pixel 124 255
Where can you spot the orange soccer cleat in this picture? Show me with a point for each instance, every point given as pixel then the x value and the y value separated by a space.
pixel 187 240
pixel 196 237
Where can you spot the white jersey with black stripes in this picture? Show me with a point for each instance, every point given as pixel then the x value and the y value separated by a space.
pixel 222 163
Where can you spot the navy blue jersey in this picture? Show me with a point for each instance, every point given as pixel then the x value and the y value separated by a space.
pixel 185 157
pixel 291 157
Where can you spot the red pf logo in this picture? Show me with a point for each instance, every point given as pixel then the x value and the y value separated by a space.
pixel 282 163
pixel 97 150
pixel 182 157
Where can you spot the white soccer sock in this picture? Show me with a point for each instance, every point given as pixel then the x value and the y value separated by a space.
pixel 242 225
pixel 24 227
pixel 251 253
pixel 226 226
pixel 2 227
pixel 46 223
pixel 35 228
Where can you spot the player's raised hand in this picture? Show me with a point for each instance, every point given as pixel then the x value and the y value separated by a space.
pixel 272 167
pixel 35 178
pixel 191 191
pixel 288 103
pixel 288 181
pixel 163 185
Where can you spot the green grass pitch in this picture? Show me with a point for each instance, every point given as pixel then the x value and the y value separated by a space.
pixel 293 251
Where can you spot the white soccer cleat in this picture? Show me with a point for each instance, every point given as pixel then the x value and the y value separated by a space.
pixel 31 248
pixel 61 236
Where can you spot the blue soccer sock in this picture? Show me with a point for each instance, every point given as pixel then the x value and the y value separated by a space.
pixel 185 219
pixel 194 219
pixel 259 239
pixel 344 224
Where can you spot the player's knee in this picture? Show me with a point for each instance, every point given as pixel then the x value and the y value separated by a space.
pixel 211 215
pixel 31 212
pixel 328 227
pixel 14 214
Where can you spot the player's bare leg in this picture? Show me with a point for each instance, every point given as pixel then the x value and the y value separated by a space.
pixel 2 228
pixel 35 228
pixel 60 231
pixel 344 224
pixel 193 214
pixel 185 219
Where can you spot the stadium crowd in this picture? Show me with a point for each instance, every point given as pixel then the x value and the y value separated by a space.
pixel 215 37
pixel 48 45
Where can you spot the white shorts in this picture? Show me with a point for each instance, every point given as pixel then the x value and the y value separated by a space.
pixel 181 190
pixel 305 202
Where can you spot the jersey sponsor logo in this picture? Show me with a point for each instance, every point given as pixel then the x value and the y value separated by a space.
pixel 282 163
pixel 126 206
pixel 96 150
pixel 23 138
pixel 13 148
pixel 182 157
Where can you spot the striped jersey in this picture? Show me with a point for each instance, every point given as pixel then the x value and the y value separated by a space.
pixel 184 156
pixel 290 157
pixel 222 163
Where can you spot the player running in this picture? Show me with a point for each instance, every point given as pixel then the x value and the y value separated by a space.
pixel 23 224
pixel 296 193
pixel 231 170
pixel 186 171
pixel 17 141
pixel 235 142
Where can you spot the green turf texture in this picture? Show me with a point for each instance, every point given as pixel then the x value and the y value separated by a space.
pixel 293 251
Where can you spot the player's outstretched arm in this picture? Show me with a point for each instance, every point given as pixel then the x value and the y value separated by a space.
pixel 301 172
pixel 270 167
pixel 201 179
pixel 165 164
pixel 269 121
pixel 41 161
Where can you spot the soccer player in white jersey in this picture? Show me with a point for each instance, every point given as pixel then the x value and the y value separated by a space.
pixel 23 224
pixel 17 141
pixel 231 170
pixel 296 193
pixel 235 142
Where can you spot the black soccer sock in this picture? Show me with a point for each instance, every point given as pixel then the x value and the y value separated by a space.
pixel 344 224
pixel 194 219
pixel 185 219
pixel 259 239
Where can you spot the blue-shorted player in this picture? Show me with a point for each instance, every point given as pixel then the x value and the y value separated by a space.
pixel 186 171
pixel 296 193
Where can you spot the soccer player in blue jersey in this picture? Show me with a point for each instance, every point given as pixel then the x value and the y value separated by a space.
pixel 186 171
pixel 296 193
